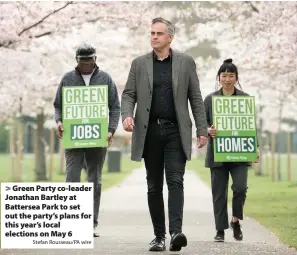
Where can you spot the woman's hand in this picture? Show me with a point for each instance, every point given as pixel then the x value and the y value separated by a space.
pixel 212 131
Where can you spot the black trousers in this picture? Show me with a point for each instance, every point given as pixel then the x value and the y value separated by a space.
pixel 163 149
pixel 219 185
pixel 95 158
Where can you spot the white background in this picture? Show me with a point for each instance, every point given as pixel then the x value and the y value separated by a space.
pixel 82 229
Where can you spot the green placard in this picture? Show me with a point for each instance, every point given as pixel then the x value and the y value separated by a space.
pixel 234 117
pixel 85 116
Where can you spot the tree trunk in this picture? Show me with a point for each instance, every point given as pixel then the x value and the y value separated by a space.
pixel 52 148
pixel 259 170
pixel 35 149
pixel 268 155
pixel 279 175
pixel 289 156
pixel 40 171
pixel 272 157
pixel 12 151
pixel 19 149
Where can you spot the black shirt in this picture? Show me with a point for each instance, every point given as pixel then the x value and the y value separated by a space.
pixel 162 99
pixel 234 93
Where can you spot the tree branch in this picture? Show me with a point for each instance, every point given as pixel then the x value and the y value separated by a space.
pixel 254 8
pixel 43 34
pixel 44 18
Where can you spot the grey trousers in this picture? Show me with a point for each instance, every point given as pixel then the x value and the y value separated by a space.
pixel 219 185
pixel 94 159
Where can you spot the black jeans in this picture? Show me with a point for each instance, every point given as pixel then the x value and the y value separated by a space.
pixel 219 184
pixel 163 149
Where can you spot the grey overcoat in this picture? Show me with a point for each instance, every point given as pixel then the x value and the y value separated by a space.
pixel 138 94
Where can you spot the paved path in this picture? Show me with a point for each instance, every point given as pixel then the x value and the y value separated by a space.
pixel 126 225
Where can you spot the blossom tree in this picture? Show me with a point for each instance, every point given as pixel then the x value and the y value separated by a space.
pixel 265 46
pixel 24 21
pixel 42 38
pixel 261 38
pixel 42 35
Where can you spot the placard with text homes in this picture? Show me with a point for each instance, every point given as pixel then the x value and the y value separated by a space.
pixel 234 117
pixel 85 116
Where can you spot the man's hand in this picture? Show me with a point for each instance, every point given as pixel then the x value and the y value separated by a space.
pixel 212 131
pixel 59 130
pixel 201 141
pixel 109 139
pixel 258 156
pixel 128 124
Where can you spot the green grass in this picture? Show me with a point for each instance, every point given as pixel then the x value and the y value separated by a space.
pixel 272 204
pixel 28 175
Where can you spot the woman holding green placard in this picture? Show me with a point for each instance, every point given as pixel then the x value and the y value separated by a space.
pixel 227 79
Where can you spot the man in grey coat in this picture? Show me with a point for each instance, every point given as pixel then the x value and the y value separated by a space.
pixel 87 73
pixel 161 83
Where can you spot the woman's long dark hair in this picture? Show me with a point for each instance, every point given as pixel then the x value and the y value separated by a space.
pixel 229 67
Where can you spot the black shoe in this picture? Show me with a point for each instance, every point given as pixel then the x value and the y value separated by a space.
pixel 220 236
pixel 158 244
pixel 178 240
pixel 237 233
pixel 95 233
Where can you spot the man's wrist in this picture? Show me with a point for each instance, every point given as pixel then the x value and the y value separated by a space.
pixel 201 133
pixel 127 118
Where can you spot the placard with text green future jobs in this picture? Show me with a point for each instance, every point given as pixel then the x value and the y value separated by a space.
pixel 85 116
pixel 234 118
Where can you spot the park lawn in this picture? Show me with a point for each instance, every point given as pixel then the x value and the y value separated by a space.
pixel 108 179
pixel 272 204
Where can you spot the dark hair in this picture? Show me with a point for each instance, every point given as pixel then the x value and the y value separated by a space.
pixel 229 67
pixel 85 50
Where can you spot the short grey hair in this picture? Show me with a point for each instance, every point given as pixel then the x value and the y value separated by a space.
pixel 170 26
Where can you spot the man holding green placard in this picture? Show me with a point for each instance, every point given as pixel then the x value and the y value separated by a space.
pixel 87 112
pixel 232 146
